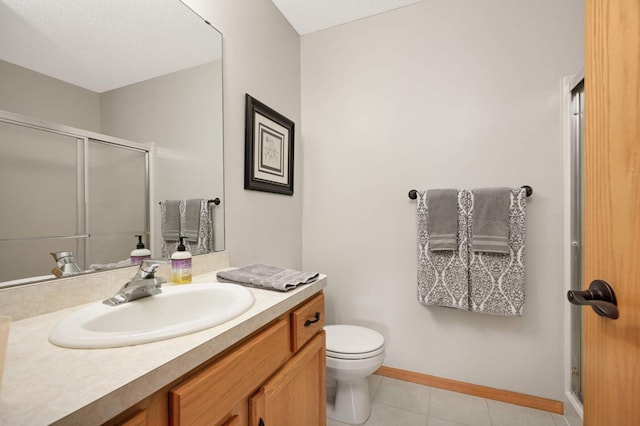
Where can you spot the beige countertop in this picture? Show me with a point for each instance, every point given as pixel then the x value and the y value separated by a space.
pixel 45 384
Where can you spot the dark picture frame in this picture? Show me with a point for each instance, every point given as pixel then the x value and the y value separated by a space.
pixel 268 149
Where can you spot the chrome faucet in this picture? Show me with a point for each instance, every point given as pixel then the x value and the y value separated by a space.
pixel 65 264
pixel 144 284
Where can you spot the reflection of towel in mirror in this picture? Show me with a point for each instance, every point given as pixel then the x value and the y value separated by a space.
pixel 191 227
pixel 268 277
pixel 195 225
pixel 107 266
pixel 170 211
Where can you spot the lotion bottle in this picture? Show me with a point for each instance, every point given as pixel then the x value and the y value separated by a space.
pixel 140 253
pixel 181 265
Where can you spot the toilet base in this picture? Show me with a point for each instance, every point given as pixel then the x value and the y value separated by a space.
pixel 352 403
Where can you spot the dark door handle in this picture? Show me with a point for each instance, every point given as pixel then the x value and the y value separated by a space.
pixel 600 296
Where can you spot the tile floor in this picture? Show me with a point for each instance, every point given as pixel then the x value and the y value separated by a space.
pixel 399 403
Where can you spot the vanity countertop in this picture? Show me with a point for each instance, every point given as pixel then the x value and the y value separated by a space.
pixel 45 384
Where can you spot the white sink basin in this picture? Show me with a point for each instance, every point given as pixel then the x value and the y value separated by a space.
pixel 178 310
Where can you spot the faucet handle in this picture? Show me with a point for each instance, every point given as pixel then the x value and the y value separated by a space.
pixel 148 267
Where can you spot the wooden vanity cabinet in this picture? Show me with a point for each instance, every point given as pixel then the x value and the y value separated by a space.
pixel 295 395
pixel 276 377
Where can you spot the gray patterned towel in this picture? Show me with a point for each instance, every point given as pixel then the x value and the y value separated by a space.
pixel 443 275
pixel 201 239
pixel 496 281
pixel 268 277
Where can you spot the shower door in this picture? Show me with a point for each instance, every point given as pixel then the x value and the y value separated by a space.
pixel 67 190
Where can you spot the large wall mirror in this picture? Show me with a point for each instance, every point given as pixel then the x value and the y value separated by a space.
pixel 128 93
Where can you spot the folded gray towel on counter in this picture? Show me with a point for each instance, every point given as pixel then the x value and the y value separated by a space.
pixel 490 225
pixel 443 219
pixel 268 277
pixel 191 228
pixel 171 220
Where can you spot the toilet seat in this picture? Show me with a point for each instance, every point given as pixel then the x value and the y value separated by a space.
pixel 352 342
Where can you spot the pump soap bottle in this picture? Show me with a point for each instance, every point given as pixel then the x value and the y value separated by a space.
pixel 140 253
pixel 181 265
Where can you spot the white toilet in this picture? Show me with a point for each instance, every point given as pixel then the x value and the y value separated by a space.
pixel 353 354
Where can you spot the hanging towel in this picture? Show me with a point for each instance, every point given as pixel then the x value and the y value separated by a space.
pixel 443 275
pixel 203 232
pixel 170 213
pixel 191 227
pixel 490 226
pixel 443 219
pixel 171 219
pixel 268 277
pixel 496 280
pixel 198 228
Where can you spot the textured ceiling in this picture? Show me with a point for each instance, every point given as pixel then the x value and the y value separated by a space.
pixel 104 44
pixel 307 16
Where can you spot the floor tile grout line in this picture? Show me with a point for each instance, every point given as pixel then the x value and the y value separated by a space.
pixel 447 420
pixel 404 409
pixel 486 402
pixel 400 409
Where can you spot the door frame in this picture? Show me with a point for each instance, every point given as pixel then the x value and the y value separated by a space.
pixel 573 410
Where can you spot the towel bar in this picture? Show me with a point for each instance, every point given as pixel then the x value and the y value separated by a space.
pixel 215 201
pixel 413 194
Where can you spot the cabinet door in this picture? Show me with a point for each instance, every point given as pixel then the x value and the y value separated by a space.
pixel 209 397
pixel 295 395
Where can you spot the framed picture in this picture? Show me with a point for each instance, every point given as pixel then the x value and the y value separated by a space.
pixel 268 149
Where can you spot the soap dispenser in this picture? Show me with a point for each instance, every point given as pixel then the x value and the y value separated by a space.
pixel 181 265
pixel 140 253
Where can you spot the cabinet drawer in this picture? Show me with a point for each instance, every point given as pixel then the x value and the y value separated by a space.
pixel 306 321
pixel 137 419
pixel 207 397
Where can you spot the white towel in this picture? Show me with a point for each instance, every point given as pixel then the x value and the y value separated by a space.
pixel 443 275
pixel 496 281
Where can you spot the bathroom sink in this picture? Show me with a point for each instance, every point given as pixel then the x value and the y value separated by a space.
pixel 178 310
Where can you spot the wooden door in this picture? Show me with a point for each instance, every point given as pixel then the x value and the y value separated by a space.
pixel 295 395
pixel 612 209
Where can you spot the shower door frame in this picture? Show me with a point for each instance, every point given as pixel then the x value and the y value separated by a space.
pixel 573 113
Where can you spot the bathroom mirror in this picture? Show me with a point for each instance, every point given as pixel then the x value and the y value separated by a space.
pixel 149 72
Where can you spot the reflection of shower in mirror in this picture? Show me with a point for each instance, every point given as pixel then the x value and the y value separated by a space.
pixel 83 186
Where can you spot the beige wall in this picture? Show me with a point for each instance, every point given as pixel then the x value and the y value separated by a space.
pixel 439 94
pixel 444 93
pixel 261 55
pixel 180 113
pixel 26 92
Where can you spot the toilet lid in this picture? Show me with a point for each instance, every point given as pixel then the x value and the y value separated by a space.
pixel 347 341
